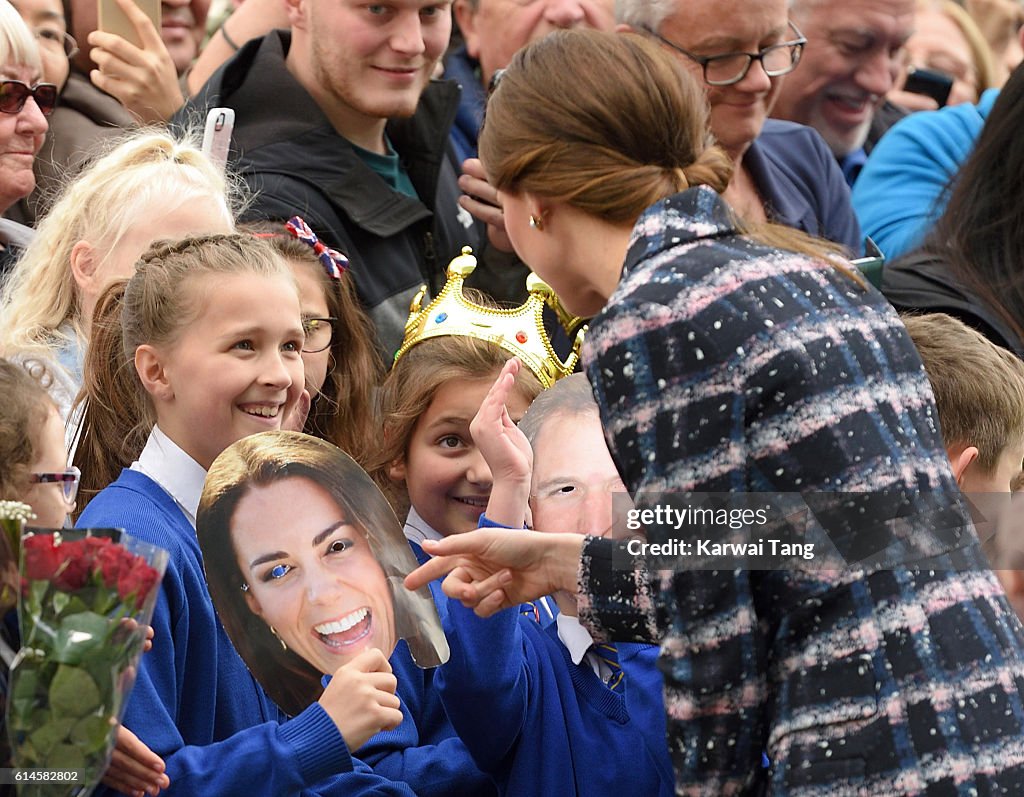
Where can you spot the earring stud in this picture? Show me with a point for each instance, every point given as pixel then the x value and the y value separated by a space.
pixel 536 223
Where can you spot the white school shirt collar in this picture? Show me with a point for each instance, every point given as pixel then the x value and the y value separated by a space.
pixel 176 472
pixel 574 636
pixel 579 643
pixel 417 529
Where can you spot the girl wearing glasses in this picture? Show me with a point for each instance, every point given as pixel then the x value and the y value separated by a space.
pixel 732 362
pixel 33 463
pixel 342 366
pixel 33 470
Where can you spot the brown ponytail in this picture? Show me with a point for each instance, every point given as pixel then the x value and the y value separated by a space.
pixel 116 415
pixel 628 129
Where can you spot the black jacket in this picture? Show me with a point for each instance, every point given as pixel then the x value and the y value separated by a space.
pixel 291 156
pixel 921 281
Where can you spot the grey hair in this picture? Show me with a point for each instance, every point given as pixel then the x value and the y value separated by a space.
pixel 651 14
pixel 569 396
pixel 645 14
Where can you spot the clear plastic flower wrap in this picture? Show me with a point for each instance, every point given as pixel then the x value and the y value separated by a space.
pixel 87 596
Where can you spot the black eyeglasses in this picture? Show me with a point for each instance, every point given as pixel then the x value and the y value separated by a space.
pixel 15 93
pixel 319 334
pixel 53 39
pixel 729 68
pixel 68 480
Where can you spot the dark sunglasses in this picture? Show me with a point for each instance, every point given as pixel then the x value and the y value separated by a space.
pixel 14 94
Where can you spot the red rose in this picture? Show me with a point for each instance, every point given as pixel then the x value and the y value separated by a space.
pixel 137 581
pixel 74 570
pixel 108 565
pixel 42 557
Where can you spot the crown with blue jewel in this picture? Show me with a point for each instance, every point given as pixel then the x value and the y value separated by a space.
pixel 519 330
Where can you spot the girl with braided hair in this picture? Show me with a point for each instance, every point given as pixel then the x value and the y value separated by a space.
pixel 202 347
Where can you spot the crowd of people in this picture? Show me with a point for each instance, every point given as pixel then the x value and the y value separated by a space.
pixel 505 268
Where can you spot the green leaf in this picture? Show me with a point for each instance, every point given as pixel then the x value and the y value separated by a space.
pixel 92 734
pixel 52 733
pixel 65 756
pixel 60 601
pixel 73 693
pixel 80 635
pixel 77 605
pixel 23 685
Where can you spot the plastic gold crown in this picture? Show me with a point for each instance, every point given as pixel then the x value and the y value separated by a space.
pixel 519 330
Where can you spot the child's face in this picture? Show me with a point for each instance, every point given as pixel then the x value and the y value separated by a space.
pixel 236 369
pixel 314 305
pixel 574 477
pixel 1008 468
pixel 47 499
pixel 446 476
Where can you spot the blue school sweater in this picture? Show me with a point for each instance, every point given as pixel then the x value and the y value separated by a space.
pixel 194 702
pixel 424 751
pixel 540 724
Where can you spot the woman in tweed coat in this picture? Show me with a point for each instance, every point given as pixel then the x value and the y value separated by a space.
pixel 732 362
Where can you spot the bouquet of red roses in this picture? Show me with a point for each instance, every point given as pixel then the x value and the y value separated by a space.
pixel 87 596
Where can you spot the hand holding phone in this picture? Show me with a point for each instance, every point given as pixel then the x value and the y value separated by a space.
pixel 133 64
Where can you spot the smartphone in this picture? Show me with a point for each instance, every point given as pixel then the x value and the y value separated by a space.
pixel 930 83
pixel 220 122
pixel 113 20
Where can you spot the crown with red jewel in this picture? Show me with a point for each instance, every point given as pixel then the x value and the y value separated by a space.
pixel 519 330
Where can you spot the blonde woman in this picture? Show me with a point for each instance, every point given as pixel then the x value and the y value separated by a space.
pixel 151 186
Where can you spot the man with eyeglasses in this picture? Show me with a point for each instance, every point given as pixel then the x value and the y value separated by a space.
pixel 742 51
pixel 851 62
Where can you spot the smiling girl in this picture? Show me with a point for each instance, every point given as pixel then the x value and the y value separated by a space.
pixel 200 348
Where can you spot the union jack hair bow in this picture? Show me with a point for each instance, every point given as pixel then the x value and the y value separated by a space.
pixel 334 262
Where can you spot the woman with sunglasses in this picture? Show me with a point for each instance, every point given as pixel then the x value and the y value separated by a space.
pixel 757 367
pixel 85 116
pixel 25 102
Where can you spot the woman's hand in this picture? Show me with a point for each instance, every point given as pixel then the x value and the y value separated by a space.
pixel 134 768
pixel 493 569
pixel 361 698
pixel 143 79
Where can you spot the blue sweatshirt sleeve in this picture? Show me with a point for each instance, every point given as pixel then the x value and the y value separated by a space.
pixel 485 685
pixel 899 194
pixel 424 750
pixel 444 769
pixel 284 757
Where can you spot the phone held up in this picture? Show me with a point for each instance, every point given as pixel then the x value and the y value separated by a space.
pixel 220 122
pixel 112 19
